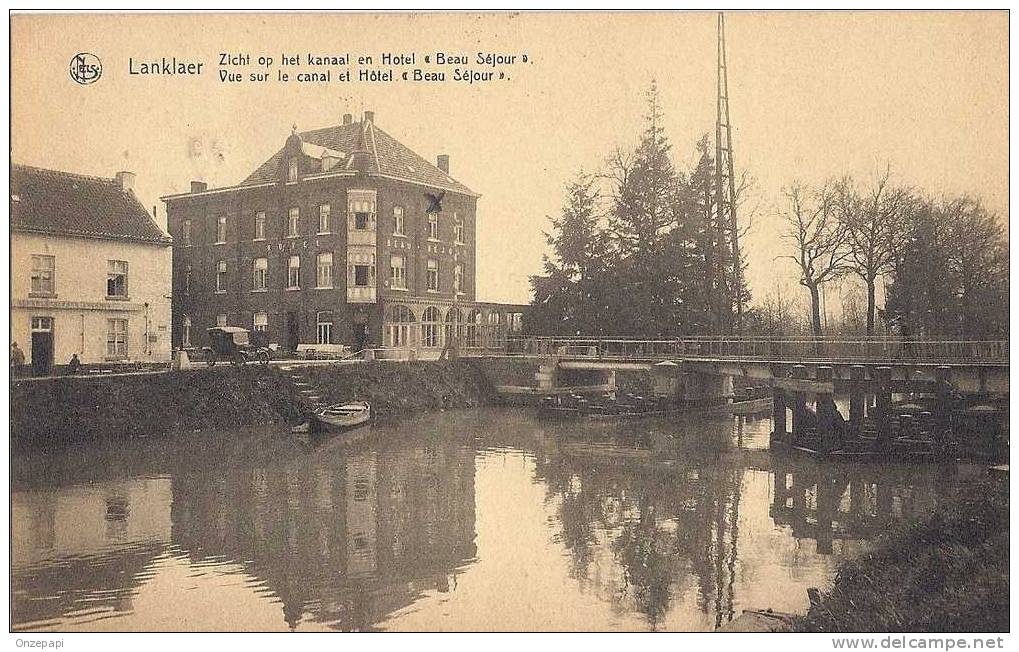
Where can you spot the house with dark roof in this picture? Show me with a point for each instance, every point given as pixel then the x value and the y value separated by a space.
pixel 90 270
pixel 342 238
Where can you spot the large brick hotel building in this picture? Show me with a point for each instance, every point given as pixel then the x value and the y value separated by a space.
pixel 344 236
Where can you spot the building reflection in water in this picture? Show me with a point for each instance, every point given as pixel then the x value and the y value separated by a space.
pixel 84 549
pixel 678 525
pixel 342 538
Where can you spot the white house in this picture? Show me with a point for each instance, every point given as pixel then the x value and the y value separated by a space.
pixel 90 271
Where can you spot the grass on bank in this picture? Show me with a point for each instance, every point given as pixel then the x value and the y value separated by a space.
pixel 945 573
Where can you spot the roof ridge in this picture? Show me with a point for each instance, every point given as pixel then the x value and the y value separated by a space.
pixel 64 173
pixel 375 149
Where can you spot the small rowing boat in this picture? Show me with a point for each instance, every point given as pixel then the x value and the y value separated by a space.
pixel 332 419
pixel 344 416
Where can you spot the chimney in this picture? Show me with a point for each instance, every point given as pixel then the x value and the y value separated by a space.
pixel 125 180
pixel 369 116
pixel 442 162
pixel 199 186
pixel 347 119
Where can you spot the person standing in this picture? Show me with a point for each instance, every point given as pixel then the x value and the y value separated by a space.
pixel 17 356
pixel 74 364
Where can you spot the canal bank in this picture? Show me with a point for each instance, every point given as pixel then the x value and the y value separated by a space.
pixel 52 411
pixel 945 572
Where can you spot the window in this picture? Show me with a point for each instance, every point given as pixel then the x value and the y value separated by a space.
pixel 260 225
pixel 221 229
pixel 458 278
pixel 261 322
pixel 458 229
pixel 361 210
pixel 433 226
pixel 397 273
pixel 454 330
pixel 292 169
pixel 185 233
pixel 221 276
pixel 398 324
pixel 42 324
pixel 398 220
pixel 472 329
pixel 116 338
pixel 433 275
pixel 260 272
pixel 116 279
pixel 323 218
pixel 324 320
pixel 362 214
pixel 186 331
pixel 362 276
pixel 43 268
pixel 187 280
pixel 221 320
pixel 294 272
pixel 324 273
pixel 430 328
pixel 294 223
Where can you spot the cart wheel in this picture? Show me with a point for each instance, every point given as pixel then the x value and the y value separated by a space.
pixel 263 358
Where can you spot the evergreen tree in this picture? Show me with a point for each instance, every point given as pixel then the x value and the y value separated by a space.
pixel 564 296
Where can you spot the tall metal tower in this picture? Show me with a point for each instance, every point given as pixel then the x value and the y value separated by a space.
pixel 725 191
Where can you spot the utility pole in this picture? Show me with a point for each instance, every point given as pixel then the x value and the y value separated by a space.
pixel 725 186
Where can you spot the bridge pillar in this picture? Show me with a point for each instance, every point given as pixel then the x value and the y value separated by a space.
pixel 799 406
pixel 857 398
pixel 778 408
pixel 827 505
pixel 706 388
pixel 942 405
pixel 546 375
pixel 825 413
pixel 883 407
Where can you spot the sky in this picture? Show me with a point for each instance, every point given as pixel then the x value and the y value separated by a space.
pixel 812 95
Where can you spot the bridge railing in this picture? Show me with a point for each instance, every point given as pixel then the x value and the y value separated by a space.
pixel 762 348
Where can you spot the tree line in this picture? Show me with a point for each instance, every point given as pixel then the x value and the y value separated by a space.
pixel 640 249
pixel 943 261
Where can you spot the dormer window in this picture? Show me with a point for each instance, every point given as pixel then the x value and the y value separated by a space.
pixel 292 169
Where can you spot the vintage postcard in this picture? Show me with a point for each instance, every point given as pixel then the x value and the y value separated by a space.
pixel 511 321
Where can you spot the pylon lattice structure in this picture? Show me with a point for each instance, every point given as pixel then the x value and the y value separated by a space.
pixel 730 263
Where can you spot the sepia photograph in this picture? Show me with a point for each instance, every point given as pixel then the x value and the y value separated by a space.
pixel 510 321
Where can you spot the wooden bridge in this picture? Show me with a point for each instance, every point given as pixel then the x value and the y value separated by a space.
pixel 871 350
pixel 801 373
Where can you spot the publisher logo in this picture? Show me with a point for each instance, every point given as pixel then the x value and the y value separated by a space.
pixel 86 68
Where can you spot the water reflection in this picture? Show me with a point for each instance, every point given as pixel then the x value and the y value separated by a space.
pixel 471 520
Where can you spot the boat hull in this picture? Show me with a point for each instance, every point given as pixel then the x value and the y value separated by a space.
pixel 619 413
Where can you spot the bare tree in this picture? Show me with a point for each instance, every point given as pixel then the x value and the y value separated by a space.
pixel 818 238
pixel 872 220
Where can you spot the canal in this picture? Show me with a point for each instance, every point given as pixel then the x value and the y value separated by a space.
pixel 485 519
